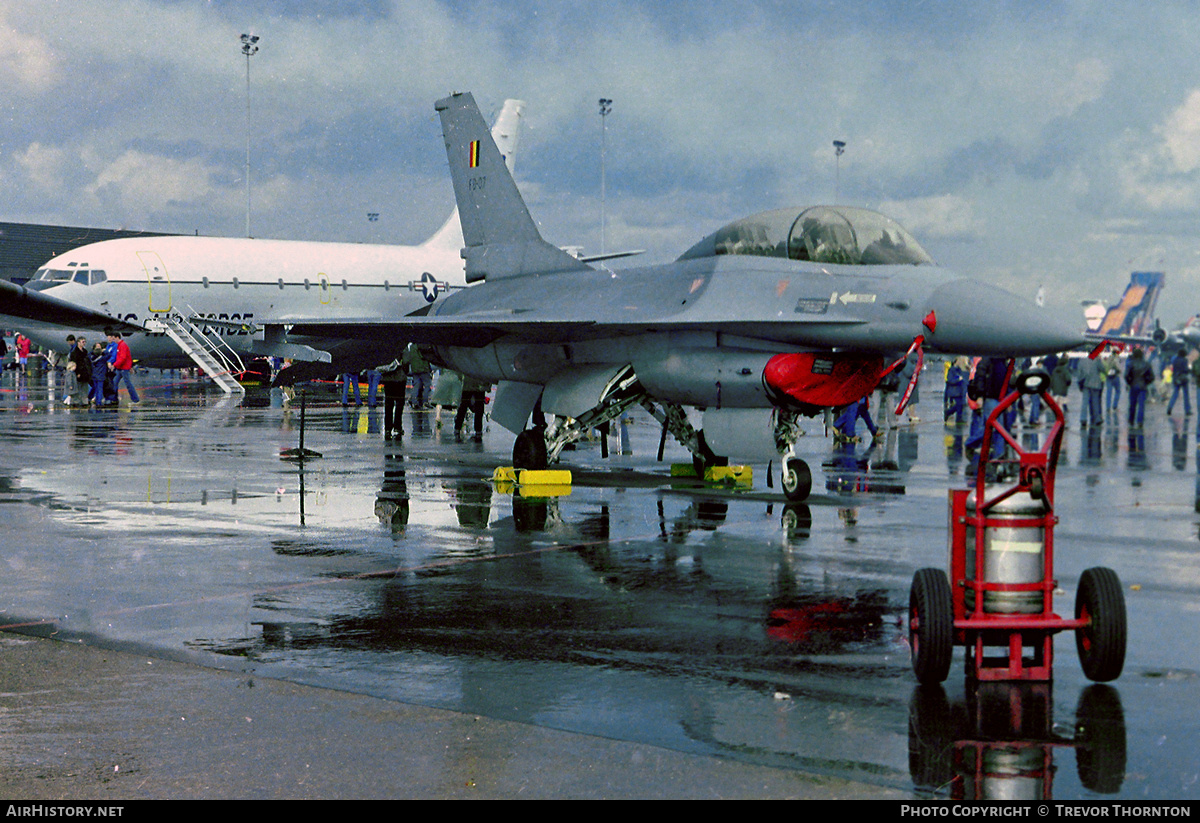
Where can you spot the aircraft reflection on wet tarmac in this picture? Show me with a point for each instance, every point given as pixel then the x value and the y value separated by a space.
pixel 706 619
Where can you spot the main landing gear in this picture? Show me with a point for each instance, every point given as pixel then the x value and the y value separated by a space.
pixel 537 447
pixel 529 451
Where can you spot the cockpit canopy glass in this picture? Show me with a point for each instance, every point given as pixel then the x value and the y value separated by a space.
pixel 822 234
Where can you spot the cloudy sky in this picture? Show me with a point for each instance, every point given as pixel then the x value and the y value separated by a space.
pixel 1031 144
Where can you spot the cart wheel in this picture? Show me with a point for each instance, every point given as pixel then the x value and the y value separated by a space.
pixel 797 480
pixel 1101 642
pixel 1037 487
pixel 931 625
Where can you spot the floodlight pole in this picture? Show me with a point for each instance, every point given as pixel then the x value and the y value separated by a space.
pixel 839 148
pixel 249 48
pixel 605 109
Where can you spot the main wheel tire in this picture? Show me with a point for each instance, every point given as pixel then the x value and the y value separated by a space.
pixel 931 625
pixel 529 450
pixel 1101 643
pixel 796 480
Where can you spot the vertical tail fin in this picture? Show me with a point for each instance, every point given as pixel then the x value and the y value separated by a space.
pixel 506 132
pixel 500 236
pixel 1134 314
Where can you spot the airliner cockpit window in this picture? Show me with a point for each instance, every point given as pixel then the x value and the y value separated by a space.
pixel 98 276
pixel 81 276
pixel 54 275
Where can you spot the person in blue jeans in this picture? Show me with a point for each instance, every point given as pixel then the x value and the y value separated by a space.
pixel 1091 389
pixel 1138 376
pixel 1181 377
pixel 955 397
pixel 350 381
pixel 1110 367
pixel 987 385
pixel 847 421
pixel 120 363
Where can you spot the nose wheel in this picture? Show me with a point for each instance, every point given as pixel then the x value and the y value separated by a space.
pixel 796 479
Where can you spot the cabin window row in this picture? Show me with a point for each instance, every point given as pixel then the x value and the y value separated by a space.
pixel 90 277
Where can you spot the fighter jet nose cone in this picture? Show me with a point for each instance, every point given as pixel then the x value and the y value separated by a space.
pixel 975 318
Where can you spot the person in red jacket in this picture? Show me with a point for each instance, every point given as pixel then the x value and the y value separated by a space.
pixel 120 363
pixel 22 352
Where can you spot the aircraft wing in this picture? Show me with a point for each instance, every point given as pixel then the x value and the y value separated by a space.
pixel 612 255
pixel 33 308
pixel 480 329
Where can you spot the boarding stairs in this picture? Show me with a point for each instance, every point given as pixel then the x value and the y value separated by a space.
pixel 212 354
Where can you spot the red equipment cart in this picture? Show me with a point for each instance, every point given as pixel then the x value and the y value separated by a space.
pixel 1004 526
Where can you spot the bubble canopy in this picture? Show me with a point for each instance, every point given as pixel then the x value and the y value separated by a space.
pixel 821 234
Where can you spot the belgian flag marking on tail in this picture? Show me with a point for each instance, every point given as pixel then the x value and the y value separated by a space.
pixel 473 154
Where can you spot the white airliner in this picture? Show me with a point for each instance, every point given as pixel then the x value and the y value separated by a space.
pixel 235 280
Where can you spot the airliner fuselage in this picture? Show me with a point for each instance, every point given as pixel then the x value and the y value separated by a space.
pixel 238 280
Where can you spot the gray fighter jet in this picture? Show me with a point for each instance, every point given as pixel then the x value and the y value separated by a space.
pixel 771 318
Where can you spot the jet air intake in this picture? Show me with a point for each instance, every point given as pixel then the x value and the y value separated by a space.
pixel 821 380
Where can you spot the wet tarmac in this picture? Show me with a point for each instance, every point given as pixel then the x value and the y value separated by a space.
pixel 709 621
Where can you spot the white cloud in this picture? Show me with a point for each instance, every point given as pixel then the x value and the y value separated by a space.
pixel 943 216
pixel 1159 169
pixel 136 186
pixel 1086 84
pixel 43 167
pixel 1181 135
pixel 27 64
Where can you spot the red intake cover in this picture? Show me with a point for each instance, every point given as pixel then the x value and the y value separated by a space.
pixel 823 379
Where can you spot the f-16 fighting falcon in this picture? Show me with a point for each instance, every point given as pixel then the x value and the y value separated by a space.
pixel 771 318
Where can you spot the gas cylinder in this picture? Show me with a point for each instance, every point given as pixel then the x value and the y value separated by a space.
pixel 1011 554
